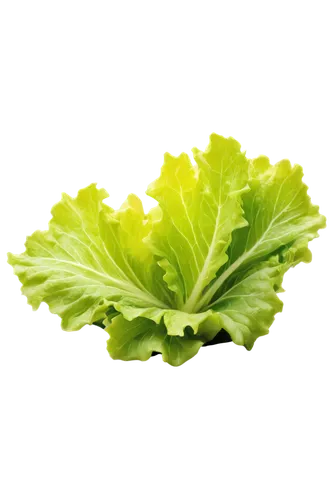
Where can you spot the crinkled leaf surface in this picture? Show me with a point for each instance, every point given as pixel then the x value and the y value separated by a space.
pixel 247 307
pixel 90 257
pixel 137 339
pixel 199 208
pixel 174 320
pixel 279 213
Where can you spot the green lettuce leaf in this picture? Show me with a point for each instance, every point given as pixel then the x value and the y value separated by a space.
pixel 199 207
pixel 279 214
pixel 247 307
pixel 139 338
pixel 90 257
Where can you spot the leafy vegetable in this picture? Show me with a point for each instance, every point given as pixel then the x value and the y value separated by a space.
pixel 210 256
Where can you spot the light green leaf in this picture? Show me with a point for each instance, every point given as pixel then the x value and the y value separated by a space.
pixel 280 216
pixel 137 339
pixel 199 208
pixel 90 257
pixel 174 320
pixel 246 309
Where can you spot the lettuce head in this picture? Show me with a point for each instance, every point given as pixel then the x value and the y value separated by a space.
pixel 210 256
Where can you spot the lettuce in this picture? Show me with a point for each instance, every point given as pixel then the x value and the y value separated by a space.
pixel 210 257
